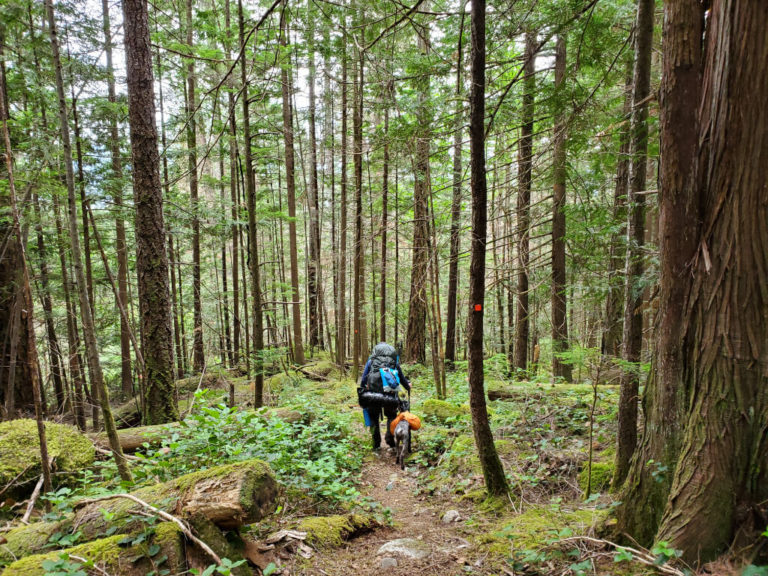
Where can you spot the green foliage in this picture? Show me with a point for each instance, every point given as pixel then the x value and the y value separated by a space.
pixel 321 456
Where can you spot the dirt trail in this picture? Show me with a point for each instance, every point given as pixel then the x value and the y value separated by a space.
pixel 415 516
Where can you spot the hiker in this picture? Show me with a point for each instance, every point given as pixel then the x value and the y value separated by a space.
pixel 378 390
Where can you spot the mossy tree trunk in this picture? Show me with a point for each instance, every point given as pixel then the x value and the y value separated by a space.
pixel 152 259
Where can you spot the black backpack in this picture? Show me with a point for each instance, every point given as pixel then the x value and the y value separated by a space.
pixel 382 374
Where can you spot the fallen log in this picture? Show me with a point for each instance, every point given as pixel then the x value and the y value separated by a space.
pixel 131 439
pixel 228 496
pixel 109 556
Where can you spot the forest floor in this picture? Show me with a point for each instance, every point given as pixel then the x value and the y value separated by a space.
pixel 312 435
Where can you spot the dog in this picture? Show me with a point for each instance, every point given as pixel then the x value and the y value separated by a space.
pixel 402 442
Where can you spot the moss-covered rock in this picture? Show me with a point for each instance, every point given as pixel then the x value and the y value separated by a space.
pixel 20 450
pixel 332 531
pixel 602 472
pixel 114 558
pixel 441 410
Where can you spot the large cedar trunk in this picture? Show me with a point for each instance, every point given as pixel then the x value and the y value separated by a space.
pixel 152 259
pixel 720 487
pixel 493 471
pixel 633 296
pixel 664 400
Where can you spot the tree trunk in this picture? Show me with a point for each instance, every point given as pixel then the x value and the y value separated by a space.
pixel 54 351
pixel 94 400
pixel 359 326
pixel 560 369
pixel 198 354
pixel 314 270
pixel 341 328
pixel 633 292
pixel 152 259
pixel 250 185
pixel 613 322
pixel 286 76
pixel 89 333
pixel 383 315
pixel 415 341
pixel 665 398
pixel 720 486
pixel 525 162
pixel 73 338
pixel 116 187
pixel 23 290
pixel 453 270
pixel 178 327
pixel 493 471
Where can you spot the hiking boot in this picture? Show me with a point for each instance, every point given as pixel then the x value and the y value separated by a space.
pixel 389 439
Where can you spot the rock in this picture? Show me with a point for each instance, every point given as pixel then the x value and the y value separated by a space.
pixel 387 563
pixel 408 547
pixel 451 516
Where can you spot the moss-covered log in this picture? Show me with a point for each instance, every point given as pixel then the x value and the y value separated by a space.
pixel 131 439
pixel 20 451
pixel 228 496
pixel 113 558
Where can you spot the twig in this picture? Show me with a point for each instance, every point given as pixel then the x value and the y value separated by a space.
pixel 105 452
pixel 33 500
pixel 91 564
pixel 200 383
pixel 12 482
pixel 642 556
pixel 161 514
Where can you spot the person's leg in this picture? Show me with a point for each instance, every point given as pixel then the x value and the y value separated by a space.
pixel 375 414
pixel 391 413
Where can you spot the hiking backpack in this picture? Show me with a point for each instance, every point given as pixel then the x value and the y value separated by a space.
pixel 383 374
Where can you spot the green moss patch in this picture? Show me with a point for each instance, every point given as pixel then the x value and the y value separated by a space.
pixel 332 531
pixel 20 450
pixel 602 472
pixel 535 527
pixel 111 555
pixel 441 410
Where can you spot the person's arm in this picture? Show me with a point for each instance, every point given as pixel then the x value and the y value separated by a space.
pixel 403 380
pixel 364 377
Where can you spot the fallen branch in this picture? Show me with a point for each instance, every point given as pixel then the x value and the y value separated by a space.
pixel 642 556
pixel 165 516
pixel 33 500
